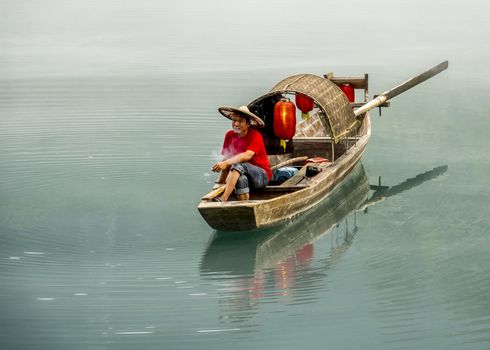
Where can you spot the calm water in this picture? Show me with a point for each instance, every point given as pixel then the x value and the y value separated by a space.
pixel 102 166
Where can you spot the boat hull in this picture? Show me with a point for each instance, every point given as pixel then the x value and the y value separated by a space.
pixel 255 214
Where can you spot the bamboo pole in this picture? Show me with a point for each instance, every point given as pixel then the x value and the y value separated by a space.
pixel 397 90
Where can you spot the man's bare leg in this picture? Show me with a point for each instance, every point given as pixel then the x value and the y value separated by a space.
pixel 243 197
pixel 223 175
pixel 231 181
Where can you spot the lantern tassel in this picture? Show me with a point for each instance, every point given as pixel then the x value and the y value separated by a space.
pixel 305 116
pixel 283 144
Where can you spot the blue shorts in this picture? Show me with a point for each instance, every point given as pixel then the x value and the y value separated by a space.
pixel 251 176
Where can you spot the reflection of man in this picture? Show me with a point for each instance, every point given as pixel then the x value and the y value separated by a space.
pixel 245 164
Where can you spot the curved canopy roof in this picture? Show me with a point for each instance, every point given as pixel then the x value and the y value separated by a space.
pixel 326 95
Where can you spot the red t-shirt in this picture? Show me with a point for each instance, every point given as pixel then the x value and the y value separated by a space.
pixel 253 141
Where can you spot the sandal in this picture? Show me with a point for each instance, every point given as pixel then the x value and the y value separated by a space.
pixel 217 199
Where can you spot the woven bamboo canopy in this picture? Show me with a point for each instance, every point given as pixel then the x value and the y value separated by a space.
pixel 326 95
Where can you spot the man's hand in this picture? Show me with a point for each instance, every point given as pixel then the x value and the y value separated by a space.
pixel 239 158
pixel 219 166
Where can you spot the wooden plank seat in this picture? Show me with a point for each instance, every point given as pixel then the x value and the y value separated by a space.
pixel 300 178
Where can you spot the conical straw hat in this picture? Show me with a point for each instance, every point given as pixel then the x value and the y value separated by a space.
pixel 254 120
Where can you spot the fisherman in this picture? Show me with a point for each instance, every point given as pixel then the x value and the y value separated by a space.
pixel 245 163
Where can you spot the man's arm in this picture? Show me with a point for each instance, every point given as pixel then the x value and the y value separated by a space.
pixel 239 158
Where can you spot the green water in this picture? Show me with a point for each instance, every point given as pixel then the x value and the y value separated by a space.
pixel 102 167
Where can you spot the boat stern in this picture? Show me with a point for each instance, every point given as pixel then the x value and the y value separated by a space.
pixel 228 216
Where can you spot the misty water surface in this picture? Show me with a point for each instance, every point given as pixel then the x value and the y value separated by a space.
pixel 108 128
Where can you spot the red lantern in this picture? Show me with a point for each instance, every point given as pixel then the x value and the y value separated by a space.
pixel 305 104
pixel 348 91
pixel 284 119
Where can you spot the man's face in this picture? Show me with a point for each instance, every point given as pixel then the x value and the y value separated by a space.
pixel 239 124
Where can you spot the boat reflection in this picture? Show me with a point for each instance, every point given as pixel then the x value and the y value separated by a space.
pixel 280 263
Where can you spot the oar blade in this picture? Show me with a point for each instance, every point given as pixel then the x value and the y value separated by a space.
pixel 416 80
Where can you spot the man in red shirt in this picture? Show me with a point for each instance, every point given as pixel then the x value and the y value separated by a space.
pixel 245 163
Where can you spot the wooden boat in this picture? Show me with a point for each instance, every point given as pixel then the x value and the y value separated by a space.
pixel 325 148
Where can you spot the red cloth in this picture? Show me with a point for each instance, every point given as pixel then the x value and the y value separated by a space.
pixel 234 144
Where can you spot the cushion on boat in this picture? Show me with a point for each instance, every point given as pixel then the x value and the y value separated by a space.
pixel 282 174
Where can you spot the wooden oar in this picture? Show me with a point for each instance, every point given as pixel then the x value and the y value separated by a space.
pixel 217 191
pixel 397 90
pixel 214 193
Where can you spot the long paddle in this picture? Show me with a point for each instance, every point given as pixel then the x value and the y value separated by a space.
pixel 397 90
